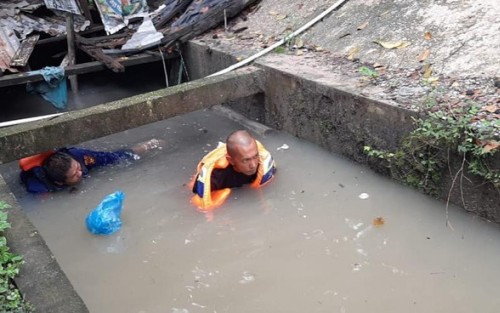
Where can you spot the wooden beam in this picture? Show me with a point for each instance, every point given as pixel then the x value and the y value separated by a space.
pixel 70 32
pixel 79 126
pixel 24 52
pixel 83 68
pixel 92 29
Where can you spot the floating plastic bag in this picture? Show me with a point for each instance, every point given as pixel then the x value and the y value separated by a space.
pixel 105 218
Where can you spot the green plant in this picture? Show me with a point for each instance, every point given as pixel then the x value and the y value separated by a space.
pixel 280 49
pixel 366 71
pixel 424 155
pixel 10 298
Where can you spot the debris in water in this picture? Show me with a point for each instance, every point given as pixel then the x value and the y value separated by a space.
pixel 247 278
pixel 378 222
pixel 364 196
pixel 283 147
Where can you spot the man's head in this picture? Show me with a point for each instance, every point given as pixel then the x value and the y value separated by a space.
pixel 63 169
pixel 242 152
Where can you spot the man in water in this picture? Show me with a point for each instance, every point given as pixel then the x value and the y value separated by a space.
pixel 242 160
pixel 56 170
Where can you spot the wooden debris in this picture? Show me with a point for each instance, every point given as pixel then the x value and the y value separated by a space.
pixel 20 59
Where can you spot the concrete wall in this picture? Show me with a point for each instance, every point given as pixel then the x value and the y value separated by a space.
pixel 41 281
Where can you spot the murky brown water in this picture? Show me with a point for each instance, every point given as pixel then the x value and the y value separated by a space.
pixel 305 243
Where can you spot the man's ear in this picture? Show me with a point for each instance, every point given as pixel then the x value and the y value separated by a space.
pixel 229 159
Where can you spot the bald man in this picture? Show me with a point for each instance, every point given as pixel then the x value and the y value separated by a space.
pixel 242 160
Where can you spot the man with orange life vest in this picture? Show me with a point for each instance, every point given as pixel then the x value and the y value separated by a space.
pixel 56 170
pixel 242 160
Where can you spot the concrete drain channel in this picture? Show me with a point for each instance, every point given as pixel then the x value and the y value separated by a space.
pixel 308 105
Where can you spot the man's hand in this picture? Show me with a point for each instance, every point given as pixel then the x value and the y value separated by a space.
pixel 149 145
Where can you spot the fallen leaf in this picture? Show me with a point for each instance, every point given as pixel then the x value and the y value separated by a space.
pixel 281 17
pixel 432 79
pixel 375 65
pixel 351 55
pixel 392 44
pixel 299 42
pixel 427 71
pixel 380 69
pixel 318 49
pixel 362 26
pixel 424 55
pixel 378 222
pixel 490 145
pixel 427 36
pixel 299 52
pixel 273 13
pixel 491 108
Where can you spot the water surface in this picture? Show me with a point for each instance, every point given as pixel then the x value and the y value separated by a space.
pixel 304 243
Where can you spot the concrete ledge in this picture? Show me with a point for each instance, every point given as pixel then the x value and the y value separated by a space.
pixel 41 280
pixel 98 121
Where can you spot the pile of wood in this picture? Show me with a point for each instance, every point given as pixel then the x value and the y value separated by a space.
pixel 177 20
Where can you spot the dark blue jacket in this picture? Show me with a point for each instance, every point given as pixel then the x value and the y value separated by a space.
pixel 36 180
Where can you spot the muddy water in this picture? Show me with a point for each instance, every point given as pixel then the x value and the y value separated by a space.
pixel 305 243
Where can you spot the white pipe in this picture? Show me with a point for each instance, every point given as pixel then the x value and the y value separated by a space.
pixel 282 41
pixel 29 119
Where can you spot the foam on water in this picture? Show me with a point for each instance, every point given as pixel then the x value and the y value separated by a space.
pixel 305 243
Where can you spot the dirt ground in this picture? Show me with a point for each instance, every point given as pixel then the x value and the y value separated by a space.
pixel 413 54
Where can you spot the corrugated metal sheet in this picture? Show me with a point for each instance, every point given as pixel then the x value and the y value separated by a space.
pixel 9 44
pixel 18 15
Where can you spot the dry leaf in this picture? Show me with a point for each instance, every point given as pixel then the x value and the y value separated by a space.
pixel 432 79
pixel 490 145
pixel 273 13
pixel 318 49
pixel 491 108
pixel 375 65
pixel 404 45
pixel 362 26
pixel 424 55
pixel 351 55
pixel 281 17
pixel 299 52
pixel 392 44
pixel 299 42
pixel 380 69
pixel 378 222
pixel 428 71
pixel 427 36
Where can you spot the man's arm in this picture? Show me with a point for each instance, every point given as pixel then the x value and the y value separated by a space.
pixel 92 158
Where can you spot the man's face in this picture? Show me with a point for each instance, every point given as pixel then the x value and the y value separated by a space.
pixel 74 174
pixel 245 159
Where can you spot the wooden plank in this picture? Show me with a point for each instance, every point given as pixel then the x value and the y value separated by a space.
pixel 22 55
pixel 97 54
pixel 70 32
pixel 91 30
pixel 83 68
pixel 108 118
pixel 84 5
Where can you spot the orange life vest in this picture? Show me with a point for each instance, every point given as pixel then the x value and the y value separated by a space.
pixel 206 199
pixel 30 162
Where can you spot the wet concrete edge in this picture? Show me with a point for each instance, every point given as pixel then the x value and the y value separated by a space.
pixel 41 280
pixel 108 118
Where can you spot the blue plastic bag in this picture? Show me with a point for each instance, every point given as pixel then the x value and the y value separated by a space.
pixel 105 218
